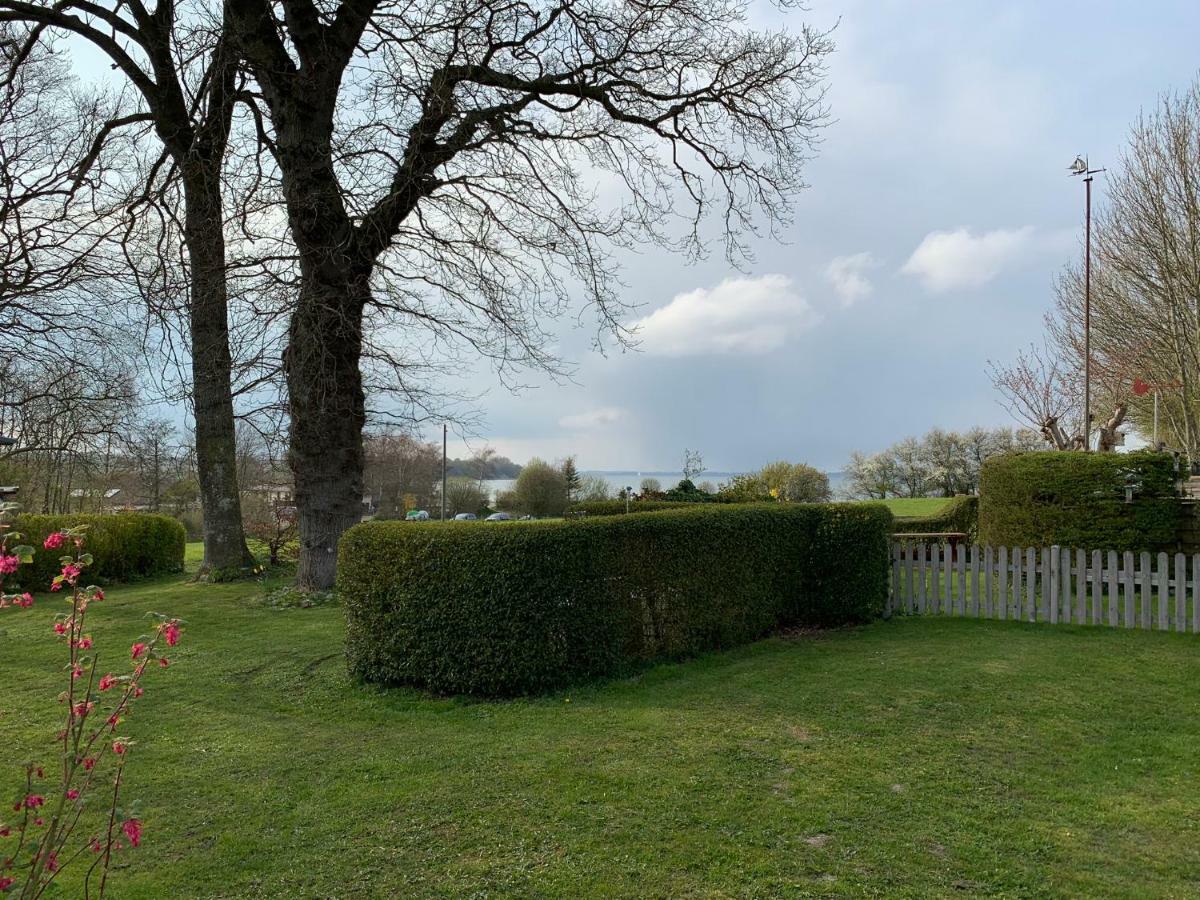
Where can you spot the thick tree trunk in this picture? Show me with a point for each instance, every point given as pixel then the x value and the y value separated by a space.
pixel 225 551
pixel 327 416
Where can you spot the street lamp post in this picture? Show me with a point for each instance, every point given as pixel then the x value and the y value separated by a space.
pixel 1080 167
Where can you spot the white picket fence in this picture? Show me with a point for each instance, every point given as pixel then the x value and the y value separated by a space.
pixel 1047 584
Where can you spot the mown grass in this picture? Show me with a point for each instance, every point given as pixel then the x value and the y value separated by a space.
pixel 910 758
pixel 907 507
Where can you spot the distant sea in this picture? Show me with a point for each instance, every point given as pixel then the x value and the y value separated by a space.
pixel 619 479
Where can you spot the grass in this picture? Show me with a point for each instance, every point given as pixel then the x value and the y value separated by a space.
pixel 917 757
pixel 907 507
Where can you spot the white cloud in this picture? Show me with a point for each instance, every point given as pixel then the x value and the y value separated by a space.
pixel 739 315
pixel 593 418
pixel 848 275
pixel 953 260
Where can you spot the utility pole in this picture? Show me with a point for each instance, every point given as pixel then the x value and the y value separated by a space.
pixel 443 471
pixel 1080 167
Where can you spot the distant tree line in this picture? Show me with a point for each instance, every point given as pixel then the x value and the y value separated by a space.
pixel 942 463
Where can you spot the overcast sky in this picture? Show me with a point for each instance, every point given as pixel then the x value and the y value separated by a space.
pixel 939 213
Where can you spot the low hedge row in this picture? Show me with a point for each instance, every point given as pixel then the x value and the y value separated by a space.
pixel 124 546
pixel 960 514
pixel 1078 499
pixel 528 607
pixel 618 508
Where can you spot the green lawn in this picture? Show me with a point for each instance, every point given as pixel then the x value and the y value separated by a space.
pixel 915 506
pixel 908 758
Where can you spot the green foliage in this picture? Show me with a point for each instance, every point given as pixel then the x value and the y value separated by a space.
pixel 796 482
pixel 959 514
pixel 617 507
pixel 523 608
pixel 1077 499
pixel 124 546
pixel 540 490
pixel 687 492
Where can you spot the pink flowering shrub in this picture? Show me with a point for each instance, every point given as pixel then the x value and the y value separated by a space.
pixel 72 812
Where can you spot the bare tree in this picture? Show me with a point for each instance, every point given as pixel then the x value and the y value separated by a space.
pixel 1041 389
pixel 458 194
pixel 184 80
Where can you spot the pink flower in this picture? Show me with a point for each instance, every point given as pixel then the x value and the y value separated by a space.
pixel 72 794
pixel 5 883
pixel 70 570
pixel 52 863
pixel 95 845
pixel 133 831
pixel 33 801
pixel 99 595
pixel 138 691
pixel 107 681
pixel 60 627
pixel 138 649
pixel 170 631
pixel 119 748
pixel 163 662
pixel 56 586
pixel 54 541
pixel 25 600
pixel 89 763
pixel 82 709
pixel 5 831
pixel 8 564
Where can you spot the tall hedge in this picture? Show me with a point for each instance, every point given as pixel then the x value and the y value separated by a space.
pixel 960 514
pixel 1077 499
pixel 124 546
pixel 514 608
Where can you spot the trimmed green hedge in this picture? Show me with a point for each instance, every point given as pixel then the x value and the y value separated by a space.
pixel 516 608
pixel 1077 499
pixel 617 507
pixel 124 546
pixel 959 514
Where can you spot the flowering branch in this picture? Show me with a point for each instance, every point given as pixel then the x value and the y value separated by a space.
pixel 93 752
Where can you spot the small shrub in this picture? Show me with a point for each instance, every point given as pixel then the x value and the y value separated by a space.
pixel 527 607
pixel 123 546
pixel 1077 499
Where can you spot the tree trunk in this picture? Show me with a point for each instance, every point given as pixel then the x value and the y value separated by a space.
pixel 327 411
pixel 225 551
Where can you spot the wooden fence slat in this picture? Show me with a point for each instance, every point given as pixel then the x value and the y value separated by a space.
pixel 1014 602
pixel 1195 593
pixel 988 565
pixel 935 553
pixel 1127 578
pixel 948 581
pixel 1044 581
pixel 1065 594
pixel 1145 582
pixel 1055 581
pixel 1112 588
pixel 961 560
pixel 974 613
pixel 910 588
pixel 1180 592
pixel 1097 586
pixel 1002 588
pixel 1031 584
pixel 895 577
pixel 921 552
pixel 1080 587
pixel 1164 593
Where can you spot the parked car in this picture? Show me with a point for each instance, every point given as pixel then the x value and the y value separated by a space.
pixel 499 517
pixel 416 515
pixel 465 517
